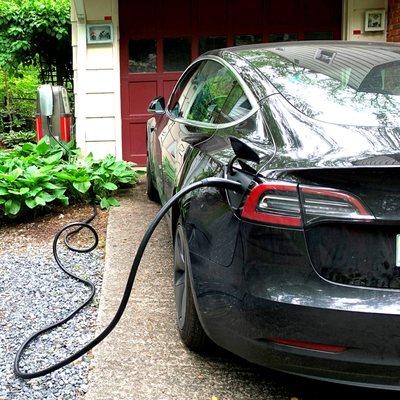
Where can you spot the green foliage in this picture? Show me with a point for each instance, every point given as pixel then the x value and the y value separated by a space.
pixel 39 175
pixel 12 139
pixel 35 47
pixel 35 32
pixel 18 94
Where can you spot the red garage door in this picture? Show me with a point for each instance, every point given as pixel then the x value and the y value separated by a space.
pixel 159 38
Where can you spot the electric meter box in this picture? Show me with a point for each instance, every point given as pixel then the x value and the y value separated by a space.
pixel 53 113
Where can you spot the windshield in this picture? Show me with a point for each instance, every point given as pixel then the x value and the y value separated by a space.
pixel 351 85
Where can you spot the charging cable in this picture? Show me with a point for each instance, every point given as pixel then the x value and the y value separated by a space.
pixel 208 182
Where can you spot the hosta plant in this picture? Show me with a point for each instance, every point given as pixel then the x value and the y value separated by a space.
pixel 12 139
pixel 35 176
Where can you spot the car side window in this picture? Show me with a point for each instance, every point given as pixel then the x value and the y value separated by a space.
pixel 181 95
pixel 210 94
pixel 236 105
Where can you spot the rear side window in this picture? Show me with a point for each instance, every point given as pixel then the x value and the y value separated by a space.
pixel 236 105
pixel 210 94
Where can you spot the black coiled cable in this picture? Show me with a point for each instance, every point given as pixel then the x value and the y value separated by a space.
pixel 209 182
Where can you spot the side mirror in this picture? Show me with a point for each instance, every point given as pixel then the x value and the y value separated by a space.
pixel 157 105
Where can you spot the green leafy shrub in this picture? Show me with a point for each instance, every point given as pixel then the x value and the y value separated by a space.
pixel 35 47
pixel 18 95
pixel 35 176
pixel 12 139
pixel 36 32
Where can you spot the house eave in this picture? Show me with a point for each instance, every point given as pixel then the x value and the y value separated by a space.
pixel 80 10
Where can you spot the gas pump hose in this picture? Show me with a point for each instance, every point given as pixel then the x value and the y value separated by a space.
pixel 77 226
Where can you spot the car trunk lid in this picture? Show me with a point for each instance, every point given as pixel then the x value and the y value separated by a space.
pixel 360 250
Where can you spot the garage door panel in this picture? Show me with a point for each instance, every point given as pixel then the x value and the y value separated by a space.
pixel 250 17
pixel 176 17
pixel 134 142
pixel 283 12
pixel 140 94
pixel 215 21
pixel 313 13
pixel 168 86
pixel 141 15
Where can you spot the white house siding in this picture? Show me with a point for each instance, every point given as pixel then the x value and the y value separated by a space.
pixel 354 19
pixel 97 82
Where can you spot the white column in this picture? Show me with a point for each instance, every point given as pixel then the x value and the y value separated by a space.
pixel 78 20
pixel 117 81
pixel 97 81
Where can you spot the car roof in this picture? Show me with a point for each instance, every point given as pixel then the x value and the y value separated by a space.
pixel 361 57
pixel 300 44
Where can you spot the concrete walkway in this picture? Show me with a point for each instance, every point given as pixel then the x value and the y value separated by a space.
pixel 143 358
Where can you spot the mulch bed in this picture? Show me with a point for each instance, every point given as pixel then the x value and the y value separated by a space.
pixel 42 229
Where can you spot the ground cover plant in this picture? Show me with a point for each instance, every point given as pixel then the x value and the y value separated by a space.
pixel 12 139
pixel 37 176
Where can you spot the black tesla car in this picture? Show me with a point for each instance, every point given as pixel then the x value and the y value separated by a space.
pixel 302 272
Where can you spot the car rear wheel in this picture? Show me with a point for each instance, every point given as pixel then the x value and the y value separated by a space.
pixel 152 192
pixel 189 326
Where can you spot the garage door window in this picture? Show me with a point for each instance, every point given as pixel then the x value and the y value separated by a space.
pixel 241 40
pixel 142 55
pixel 177 53
pixel 208 43
pixel 282 37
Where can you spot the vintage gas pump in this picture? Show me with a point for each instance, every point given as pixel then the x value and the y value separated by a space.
pixel 53 116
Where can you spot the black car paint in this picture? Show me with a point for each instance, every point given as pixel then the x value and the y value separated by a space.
pixel 253 282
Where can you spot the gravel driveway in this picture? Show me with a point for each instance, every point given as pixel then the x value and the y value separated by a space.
pixel 34 293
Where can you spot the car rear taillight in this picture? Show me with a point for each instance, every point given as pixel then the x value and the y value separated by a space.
pixel 292 205
pixel 274 203
pixel 324 204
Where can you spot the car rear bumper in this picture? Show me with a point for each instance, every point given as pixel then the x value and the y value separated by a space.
pixel 245 306
pixel 321 367
pixel 366 365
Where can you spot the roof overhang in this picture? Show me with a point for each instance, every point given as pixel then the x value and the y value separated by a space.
pixel 80 10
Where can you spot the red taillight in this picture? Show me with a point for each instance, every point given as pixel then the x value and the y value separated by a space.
pixel 320 204
pixel 274 203
pixel 328 348
pixel 289 204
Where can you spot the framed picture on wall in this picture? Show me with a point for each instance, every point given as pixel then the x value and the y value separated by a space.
pixel 375 20
pixel 99 33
